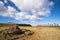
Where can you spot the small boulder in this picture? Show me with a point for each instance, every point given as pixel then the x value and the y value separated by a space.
pixel 14 29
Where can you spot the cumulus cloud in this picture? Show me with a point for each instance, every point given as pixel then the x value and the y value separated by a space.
pixel 2 9
pixel 31 10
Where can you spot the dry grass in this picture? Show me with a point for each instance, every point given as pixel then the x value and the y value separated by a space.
pixel 41 33
pixel 2 28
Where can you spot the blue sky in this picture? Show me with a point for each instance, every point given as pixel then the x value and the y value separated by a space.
pixel 53 17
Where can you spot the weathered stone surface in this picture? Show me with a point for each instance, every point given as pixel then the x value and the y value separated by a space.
pixel 14 29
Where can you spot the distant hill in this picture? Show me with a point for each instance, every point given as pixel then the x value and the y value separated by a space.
pixel 8 23
pixel 23 24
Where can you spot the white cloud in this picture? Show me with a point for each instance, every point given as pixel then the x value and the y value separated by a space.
pixel 3 10
pixel 51 3
pixel 31 10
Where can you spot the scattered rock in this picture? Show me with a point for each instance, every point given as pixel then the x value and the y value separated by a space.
pixel 14 33
pixel 14 29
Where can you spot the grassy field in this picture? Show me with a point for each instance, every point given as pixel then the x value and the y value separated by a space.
pixel 41 33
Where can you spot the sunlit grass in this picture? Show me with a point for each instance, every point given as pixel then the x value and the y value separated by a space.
pixel 41 33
